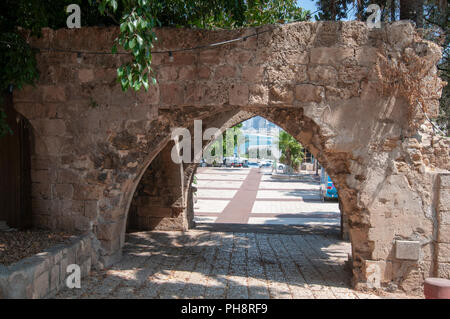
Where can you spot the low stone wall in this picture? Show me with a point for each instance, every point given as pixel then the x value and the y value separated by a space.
pixel 296 177
pixel 44 274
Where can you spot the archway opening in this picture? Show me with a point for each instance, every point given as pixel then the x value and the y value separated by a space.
pixel 157 202
pixel 263 176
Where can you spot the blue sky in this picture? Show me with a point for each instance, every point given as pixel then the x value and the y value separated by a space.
pixel 308 5
pixel 311 6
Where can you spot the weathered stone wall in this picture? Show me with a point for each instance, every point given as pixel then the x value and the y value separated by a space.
pixel 44 274
pixel 319 81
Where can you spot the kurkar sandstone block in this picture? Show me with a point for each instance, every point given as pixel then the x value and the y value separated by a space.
pixel 317 80
pixel 405 249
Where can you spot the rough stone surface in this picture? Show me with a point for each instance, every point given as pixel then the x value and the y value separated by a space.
pixel 318 81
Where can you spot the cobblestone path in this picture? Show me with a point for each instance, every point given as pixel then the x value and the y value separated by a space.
pixel 211 264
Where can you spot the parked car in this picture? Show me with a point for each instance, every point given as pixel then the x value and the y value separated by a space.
pixel 253 164
pixel 216 164
pixel 228 161
pixel 265 164
pixel 327 189
pixel 236 163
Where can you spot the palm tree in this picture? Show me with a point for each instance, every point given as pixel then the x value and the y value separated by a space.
pixel 291 150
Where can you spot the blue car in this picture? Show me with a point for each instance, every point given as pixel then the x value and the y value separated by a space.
pixel 252 164
pixel 327 188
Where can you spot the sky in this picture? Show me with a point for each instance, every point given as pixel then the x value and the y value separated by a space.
pixel 308 5
pixel 311 6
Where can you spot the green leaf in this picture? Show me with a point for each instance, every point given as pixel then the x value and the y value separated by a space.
pixel 132 43
pixel 114 4
pixel 139 40
pixel 145 83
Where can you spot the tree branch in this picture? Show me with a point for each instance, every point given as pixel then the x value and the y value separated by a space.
pixel 109 14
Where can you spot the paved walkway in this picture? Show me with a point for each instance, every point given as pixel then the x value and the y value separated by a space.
pixel 204 264
pixel 251 196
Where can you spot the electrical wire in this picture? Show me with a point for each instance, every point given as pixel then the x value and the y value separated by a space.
pixel 200 47
pixel 429 120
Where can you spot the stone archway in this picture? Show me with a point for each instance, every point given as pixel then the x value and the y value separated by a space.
pixel 328 84
pixel 309 134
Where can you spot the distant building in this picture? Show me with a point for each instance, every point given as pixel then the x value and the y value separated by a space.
pixel 258 123
pixel 260 134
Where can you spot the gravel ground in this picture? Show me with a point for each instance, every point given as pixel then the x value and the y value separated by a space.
pixel 16 245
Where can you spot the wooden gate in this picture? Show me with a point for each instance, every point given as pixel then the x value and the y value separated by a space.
pixel 15 175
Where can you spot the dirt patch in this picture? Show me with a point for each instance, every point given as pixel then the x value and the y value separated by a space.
pixel 16 245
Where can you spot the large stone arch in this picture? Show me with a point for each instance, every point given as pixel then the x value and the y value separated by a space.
pixel 293 121
pixel 342 89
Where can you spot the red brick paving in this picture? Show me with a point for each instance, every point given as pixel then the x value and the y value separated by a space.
pixel 239 208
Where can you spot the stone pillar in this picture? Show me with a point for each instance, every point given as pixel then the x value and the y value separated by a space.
pixel 443 229
pixel 344 223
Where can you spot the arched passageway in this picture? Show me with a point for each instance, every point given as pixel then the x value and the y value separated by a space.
pixel 325 83
pixel 163 199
